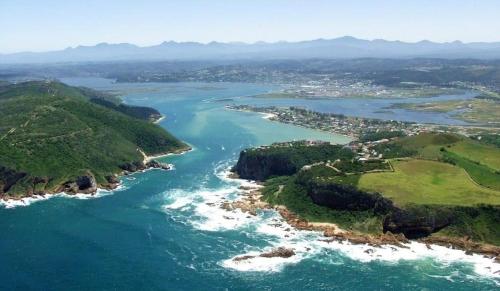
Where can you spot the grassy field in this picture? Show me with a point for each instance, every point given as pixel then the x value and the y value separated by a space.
pixel 485 154
pixel 429 139
pixel 428 182
pixel 481 174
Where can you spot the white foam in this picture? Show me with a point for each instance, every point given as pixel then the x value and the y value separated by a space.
pixel 12 203
pixel 268 115
pixel 223 172
pixel 179 203
pixel 206 206
pixel 218 219
pixel 260 264
pixel 269 225
pixel 26 201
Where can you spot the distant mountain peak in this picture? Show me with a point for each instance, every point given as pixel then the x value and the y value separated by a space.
pixel 347 37
pixel 336 48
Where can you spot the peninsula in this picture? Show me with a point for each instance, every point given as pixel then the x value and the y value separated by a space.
pixel 58 138
pixel 438 188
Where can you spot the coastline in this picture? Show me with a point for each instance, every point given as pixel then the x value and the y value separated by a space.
pixel 270 116
pixel 99 191
pixel 159 119
pixel 251 203
pixel 181 151
pixel 13 202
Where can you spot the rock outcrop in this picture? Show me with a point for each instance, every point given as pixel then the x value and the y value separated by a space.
pixel 343 197
pixel 465 244
pixel 8 178
pixel 285 159
pixel 417 222
pixel 86 184
pixel 387 238
pixel 112 179
pixel 133 166
pixel 260 166
pixel 141 166
pixel 82 184
pixel 280 252
pixel 157 165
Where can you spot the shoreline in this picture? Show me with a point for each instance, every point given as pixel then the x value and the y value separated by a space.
pixel 100 190
pixel 182 151
pixel 13 202
pixel 269 116
pixel 159 119
pixel 251 203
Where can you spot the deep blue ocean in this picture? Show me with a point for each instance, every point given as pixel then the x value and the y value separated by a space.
pixel 165 230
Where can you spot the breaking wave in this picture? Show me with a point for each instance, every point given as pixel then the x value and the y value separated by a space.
pixel 26 201
pixel 202 208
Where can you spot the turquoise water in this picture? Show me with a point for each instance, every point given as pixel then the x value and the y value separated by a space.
pixel 166 230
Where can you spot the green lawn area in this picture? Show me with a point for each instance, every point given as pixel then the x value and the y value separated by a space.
pixel 428 182
pixel 485 154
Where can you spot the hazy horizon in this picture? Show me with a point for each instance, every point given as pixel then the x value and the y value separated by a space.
pixel 245 43
pixel 55 25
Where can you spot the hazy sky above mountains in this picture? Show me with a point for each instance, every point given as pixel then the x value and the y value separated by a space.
pixel 56 24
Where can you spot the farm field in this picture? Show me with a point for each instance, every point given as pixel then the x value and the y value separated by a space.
pixel 428 182
pixel 484 154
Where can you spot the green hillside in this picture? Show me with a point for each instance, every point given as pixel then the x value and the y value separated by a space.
pixel 430 183
pixel 51 133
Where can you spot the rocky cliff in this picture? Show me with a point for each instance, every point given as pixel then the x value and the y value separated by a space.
pixel 9 178
pixel 414 221
pixel 344 197
pixel 417 222
pixel 260 166
pixel 286 158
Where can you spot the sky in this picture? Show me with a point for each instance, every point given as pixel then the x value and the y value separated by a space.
pixel 34 25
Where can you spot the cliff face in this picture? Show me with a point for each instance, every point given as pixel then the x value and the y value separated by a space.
pixel 86 183
pixel 8 178
pixel 418 222
pixel 342 197
pixel 256 166
pixel 413 222
pixel 286 159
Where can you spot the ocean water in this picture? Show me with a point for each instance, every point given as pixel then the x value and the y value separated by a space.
pixel 166 230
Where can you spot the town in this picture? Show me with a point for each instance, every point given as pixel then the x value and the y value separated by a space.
pixel 354 127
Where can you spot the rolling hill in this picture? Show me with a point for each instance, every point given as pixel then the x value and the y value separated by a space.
pixel 54 138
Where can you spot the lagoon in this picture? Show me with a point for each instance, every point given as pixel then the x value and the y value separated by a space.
pixel 166 231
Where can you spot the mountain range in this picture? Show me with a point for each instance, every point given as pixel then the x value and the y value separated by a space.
pixel 346 47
